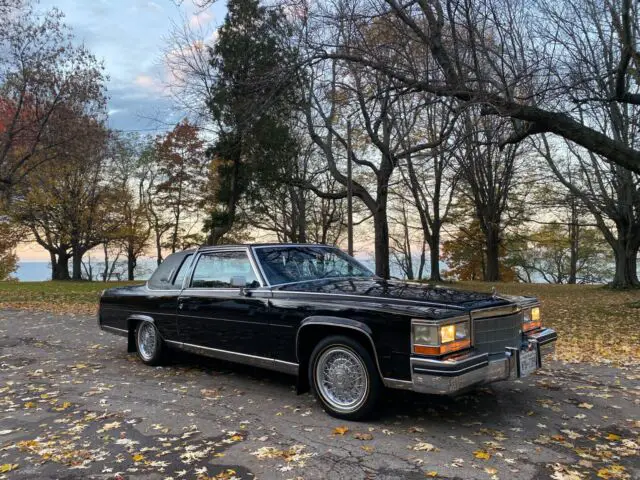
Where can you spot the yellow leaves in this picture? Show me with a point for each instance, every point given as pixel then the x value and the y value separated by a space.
pixel 431 474
pixel 362 436
pixel 236 438
pixel 63 406
pixel 613 437
pixel 29 405
pixel 482 454
pixel 8 467
pixel 340 430
pixel 367 448
pixel 138 457
pixel 585 405
pixel 614 471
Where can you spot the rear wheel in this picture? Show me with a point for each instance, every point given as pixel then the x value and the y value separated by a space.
pixel 344 378
pixel 149 345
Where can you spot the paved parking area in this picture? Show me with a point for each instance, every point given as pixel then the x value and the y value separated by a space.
pixel 75 404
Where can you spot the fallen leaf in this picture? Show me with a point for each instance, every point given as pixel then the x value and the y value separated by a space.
pixel 340 430
pixel 586 405
pixel 482 454
pixel 8 467
pixel 362 436
pixel 423 447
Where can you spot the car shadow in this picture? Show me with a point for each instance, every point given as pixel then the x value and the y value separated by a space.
pixel 394 404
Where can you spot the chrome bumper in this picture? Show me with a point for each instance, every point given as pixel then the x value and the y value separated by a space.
pixel 450 376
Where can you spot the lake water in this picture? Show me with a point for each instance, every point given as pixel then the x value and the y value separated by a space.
pixel 41 271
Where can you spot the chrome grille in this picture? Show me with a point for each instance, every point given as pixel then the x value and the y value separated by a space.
pixel 494 334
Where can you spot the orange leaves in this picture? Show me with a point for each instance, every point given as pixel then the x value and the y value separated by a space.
pixel 340 430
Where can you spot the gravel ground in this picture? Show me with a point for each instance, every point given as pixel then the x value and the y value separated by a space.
pixel 75 404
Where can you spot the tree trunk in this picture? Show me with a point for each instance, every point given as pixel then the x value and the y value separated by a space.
pixel 158 248
pixel 434 255
pixel 61 267
pixel 131 265
pixel 302 220
pixel 492 244
pixel 626 265
pixel 54 266
pixel 381 227
pixel 77 264
pixel 105 273
pixel 574 232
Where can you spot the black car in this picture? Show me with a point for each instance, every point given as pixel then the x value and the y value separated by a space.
pixel 315 312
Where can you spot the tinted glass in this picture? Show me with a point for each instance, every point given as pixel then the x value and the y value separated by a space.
pixel 182 272
pixel 299 263
pixel 162 277
pixel 217 269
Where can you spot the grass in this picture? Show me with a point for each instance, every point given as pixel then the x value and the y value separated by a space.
pixel 57 297
pixel 594 323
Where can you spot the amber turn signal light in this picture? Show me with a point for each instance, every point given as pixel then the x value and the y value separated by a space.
pixel 442 349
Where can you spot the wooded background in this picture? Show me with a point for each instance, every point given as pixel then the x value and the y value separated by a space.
pixel 498 137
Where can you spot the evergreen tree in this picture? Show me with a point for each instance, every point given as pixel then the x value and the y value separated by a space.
pixel 251 103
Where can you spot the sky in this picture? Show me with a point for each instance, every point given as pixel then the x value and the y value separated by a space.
pixel 130 36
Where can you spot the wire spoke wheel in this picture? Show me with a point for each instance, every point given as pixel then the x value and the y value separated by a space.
pixel 147 340
pixel 342 379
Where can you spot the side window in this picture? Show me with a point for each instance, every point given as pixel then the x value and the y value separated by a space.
pixel 161 278
pixel 216 269
pixel 182 272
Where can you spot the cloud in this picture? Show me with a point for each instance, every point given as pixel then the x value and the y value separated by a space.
pixel 201 19
pixel 148 83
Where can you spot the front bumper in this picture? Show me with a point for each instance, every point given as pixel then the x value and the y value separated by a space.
pixel 458 373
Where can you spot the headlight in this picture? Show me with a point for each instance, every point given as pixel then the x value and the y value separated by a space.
pixel 440 339
pixel 531 319
pixel 425 334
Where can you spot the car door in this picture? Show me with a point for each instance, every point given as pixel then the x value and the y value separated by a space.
pixel 215 313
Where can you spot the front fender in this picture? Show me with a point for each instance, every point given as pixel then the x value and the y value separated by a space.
pixel 334 322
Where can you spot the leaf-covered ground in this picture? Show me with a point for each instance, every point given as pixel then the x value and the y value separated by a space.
pixel 75 405
pixel 595 324
pixel 55 297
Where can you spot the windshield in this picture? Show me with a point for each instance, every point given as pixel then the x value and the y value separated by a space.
pixel 288 264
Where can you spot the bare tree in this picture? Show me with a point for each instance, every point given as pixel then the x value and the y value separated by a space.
pixel 489 172
pixel 507 57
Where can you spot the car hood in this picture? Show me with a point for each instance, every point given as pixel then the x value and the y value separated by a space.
pixel 393 292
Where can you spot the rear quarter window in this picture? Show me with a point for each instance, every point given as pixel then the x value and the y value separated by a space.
pixel 170 272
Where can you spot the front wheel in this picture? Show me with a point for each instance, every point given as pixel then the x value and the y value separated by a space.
pixel 149 344
pixel 344 378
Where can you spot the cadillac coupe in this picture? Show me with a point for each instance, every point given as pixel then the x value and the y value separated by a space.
pixel 315 312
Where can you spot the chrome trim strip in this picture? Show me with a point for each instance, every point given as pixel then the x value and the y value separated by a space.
pixel 440 322
pixel 397 384
pixel 244 358
pixel 142 318
pixel 336 324
pixel 495 311
pixel 187 281
pixel 118 331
